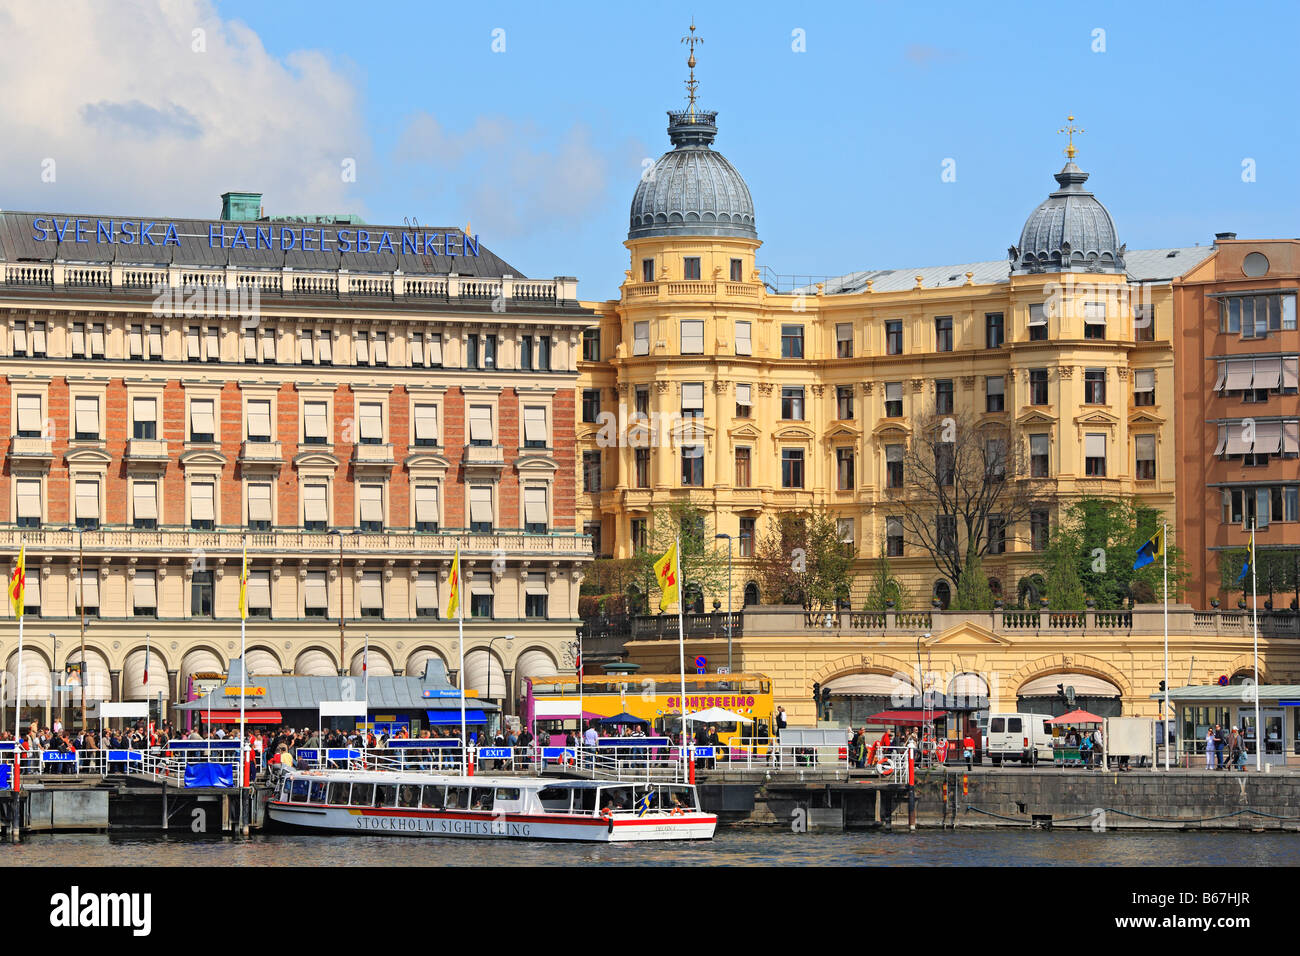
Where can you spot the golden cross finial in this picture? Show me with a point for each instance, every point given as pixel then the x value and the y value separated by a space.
pixel 1071 129
pixel 690 40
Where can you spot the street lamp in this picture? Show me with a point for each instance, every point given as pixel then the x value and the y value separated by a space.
pixel 56 705
pixel 81 601
pixel 343 666
pixel 510 640
pixel 728 537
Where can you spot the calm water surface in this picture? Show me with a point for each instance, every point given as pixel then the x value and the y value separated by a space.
pixel 729 847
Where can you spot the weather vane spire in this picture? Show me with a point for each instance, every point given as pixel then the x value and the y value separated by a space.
pixel 691 85
pixel 1070 129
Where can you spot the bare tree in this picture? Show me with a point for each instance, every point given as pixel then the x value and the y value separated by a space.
pixel 963 477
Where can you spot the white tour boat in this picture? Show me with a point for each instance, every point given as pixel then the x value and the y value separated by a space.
pixel 520 808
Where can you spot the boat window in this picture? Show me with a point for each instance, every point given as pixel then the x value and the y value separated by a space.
pixel 457 798
pixel 507 793
pixel 432 797
pixel 585 799
pixel 363 794
pixel 300 788
pixel 482 799
pixel 555 799
pixel 616 798
pixel 385 795
pixel 317 791
pixel 339 794
pixel 408 795
pixel 682 797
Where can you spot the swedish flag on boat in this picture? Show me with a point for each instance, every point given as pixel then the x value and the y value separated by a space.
pixel 644 804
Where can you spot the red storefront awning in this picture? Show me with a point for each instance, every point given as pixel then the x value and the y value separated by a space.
pixel 232 716
pixel 902 717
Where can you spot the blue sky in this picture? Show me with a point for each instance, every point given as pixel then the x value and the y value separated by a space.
pixel 540 147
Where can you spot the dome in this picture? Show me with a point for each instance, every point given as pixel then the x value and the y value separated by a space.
pixel 692 190
pixel 1071 231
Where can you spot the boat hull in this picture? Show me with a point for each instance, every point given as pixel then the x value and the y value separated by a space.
pixel 487 826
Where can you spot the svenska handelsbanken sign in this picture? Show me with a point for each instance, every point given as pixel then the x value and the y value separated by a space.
pixel 223 235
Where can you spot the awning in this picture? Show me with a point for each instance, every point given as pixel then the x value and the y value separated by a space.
pixel 448 718
pixel 901 717
pixel 232 716
pixel 1085 685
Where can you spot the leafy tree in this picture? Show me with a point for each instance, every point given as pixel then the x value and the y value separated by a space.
pixel 801 560
pixel 1276 567
pixel 703 566
pixel 885 588
pixel 1064 591
pixel 973 591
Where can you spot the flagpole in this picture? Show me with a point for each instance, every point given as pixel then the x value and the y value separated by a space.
pixel 681 643
pixel 460 625
pixel 1164 556
pixel 1254 618
pixel 18 690
pixel 20 582
pixel 243 656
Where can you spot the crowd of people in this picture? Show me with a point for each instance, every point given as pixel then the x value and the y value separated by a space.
pixel 1225 749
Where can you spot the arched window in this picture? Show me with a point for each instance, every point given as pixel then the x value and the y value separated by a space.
pixel 995 586
pixel 942 593
pixel 751 593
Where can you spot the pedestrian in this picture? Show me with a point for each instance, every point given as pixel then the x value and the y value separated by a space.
pixel 780 721
pixel 1220 746
pixel 1098 748
pixel 1234 748
pixel 1209 748
pixel 968 750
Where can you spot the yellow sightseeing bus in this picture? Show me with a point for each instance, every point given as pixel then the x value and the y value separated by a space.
pixel 552 702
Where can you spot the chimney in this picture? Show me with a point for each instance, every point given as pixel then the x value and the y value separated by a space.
pixel 1224 235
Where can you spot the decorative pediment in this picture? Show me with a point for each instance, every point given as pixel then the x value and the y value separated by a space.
pixel 536 466
pixel 314 459
pixel 1032 416
pixel 745 431
pixel 968 633
pixel 1145 418
pixel 841 432
pixel 202 458
pixel 90 457
pixel 793 433
pixel 1097 416
pixel 426 465
pixel 891 428
pixel 691 430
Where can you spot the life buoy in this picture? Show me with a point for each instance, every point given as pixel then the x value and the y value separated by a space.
pixel 886 767
pixel 677 811
pixel 605 814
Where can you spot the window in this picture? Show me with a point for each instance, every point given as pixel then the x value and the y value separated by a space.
pixel 894 537
pixel 97 340
pixel 996 530
pixel 1094 455
pixel 30 423
pixel 19 348
pixel 87 505
pixel 737 265
pixel 844 341
pixel 134 341
pixel 642 400
pixel 38 344
pixel 480 605
pixel 744 403
pixel 371 423
pixel 305 352
pixel 1144 386
pixel 426 425
pixel 642 456
pixel 144 415
pixel 86 424
pixel 480 509
pixel 1094 320
pixel 379 349
pixel 28 496
pixel 943 396
pixel 544 344
pixel 1144 323
pixel 202 421
pixel 894 338
pixel 590 404
pixel 315 511
pixel 792 403
pixel 692 399
pixel 844 461
pixel 535 512
pixel 647 270
pixel 315 594
pixel 489 351
pixel 945 534
pixel 259 420
pixel 202 506
pixel 995 459
pixel 743 344
pixel 791 467
pixel 258 594
pixel 591 345
pixel 945 462
pixel 893 466
pixel 77 340
pixel 844 402
pixel 1257 315
pixel 371 594
pixel 1038 386
pixel 591 471
pixel 893 399
pixel 426 508
pixel 1039 446
pixel 994 331
pixel 743 474
pixel 361 347
pixel 534 605
pixel 641 338
pixel 1094 386
pixel 994 388
pixel 693 466
pixel 526 352
pixel 692 337
pixel 1038 323
pixel 144 499
pixel 201 594
pixel 639 538
pixel 844 532
pixel 535 424
pixel 471 351
pixel 792 341
pixel 690 267
pixel 316 423
pixel 480 425
pixel 85 588
pixel 1038 528
pixel 746 546
pixel 371 507
pixel 324 347
pixel 211 344
pixel 259 506
pixel 943 333
pixel 1145 448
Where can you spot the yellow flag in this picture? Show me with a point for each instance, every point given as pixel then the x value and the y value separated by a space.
pixel 243 586
pixel 453 588
pixel 666 572
pixel 18 583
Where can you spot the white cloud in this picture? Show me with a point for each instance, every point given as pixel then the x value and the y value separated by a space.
pixel 138 122
pixel 511 178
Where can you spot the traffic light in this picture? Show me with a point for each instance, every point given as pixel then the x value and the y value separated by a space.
pixel 1060 690
pixel 1162 687
pixel 817 692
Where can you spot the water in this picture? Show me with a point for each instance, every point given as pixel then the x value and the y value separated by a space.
pixel 739 847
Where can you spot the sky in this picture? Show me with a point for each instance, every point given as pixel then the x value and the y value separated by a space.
pixel 872 135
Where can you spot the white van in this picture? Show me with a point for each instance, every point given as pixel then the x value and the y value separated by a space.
pixel 1023 737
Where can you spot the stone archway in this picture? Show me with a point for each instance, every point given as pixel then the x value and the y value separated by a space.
pixel 1076 663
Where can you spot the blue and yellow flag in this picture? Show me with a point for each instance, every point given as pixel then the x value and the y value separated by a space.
pixel 643 805
pixel 1153 549
pixel 1250 559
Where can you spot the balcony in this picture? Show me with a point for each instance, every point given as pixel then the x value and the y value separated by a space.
pixel 489 458
pixel 30 449
pixel 146 449
pixel 260 452
pixel 373 456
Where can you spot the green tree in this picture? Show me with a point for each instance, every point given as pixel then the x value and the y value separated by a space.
pixel 801 560
pixel 1064 591
pixel 1103 536
pixel 885 588
pixel 704 567
pixel 973 591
